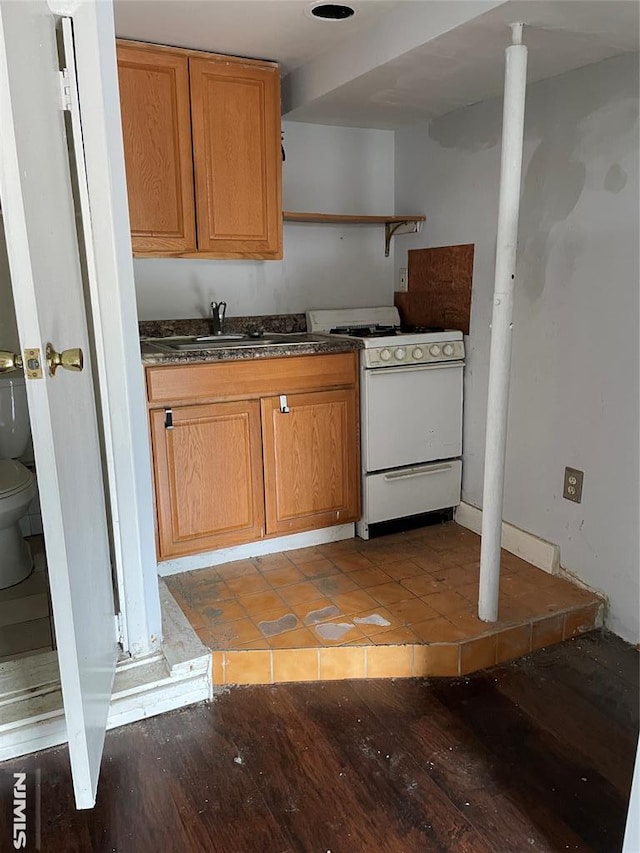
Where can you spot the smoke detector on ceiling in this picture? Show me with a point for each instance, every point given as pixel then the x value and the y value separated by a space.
pixel 330 12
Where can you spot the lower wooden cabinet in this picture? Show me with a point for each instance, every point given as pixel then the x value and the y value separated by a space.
pixel 308 449
pixel 228 472
pixel 208 476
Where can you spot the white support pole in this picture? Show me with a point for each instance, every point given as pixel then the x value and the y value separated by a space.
pixel 515 84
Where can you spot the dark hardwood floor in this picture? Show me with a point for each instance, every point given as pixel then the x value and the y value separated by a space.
pixel 536 755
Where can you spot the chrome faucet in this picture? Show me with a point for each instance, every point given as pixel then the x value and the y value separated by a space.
pixel 218 310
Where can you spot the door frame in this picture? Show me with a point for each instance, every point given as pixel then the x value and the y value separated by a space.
pixel 115 314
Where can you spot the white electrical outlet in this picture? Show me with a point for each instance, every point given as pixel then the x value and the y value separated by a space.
pixel 403 281
pixel 572 490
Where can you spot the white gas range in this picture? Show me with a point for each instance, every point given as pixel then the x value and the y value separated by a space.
pixel 411 412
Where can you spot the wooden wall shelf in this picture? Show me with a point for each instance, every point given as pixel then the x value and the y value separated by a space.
pixel 392 224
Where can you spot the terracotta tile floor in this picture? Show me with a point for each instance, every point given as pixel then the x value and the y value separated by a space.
pixel 396 606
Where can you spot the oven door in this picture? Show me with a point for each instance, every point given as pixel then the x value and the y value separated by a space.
pixel 411 415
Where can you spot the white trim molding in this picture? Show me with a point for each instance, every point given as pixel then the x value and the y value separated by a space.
pixel 540 553
pixel 257 549
pixel 114 311
pixel 31 710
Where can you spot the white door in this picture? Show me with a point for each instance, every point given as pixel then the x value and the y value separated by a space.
pixel 412 415
pixel 40 227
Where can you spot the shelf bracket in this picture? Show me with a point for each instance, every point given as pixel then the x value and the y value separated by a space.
pixel 393 228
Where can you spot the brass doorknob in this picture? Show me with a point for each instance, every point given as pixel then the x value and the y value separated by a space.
pixel 68 359
pixel 9 361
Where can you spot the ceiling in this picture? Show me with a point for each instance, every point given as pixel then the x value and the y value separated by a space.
pixel 280 30
pixel 393 63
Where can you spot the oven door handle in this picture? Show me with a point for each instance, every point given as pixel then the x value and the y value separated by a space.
pixel 403 368
pixel 418 472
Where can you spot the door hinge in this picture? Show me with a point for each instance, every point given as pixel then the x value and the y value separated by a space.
pixel 168 419
pixel 119 628
pixel 284 408
pixel 65 89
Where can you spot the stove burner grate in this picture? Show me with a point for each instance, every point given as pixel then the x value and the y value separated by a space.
pixel 376 331
pixel 420 330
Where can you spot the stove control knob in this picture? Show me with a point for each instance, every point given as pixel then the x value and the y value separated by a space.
pixel 417 353
pixel 399 354
pixel 385 354
pixel 448 350
pixel 434 350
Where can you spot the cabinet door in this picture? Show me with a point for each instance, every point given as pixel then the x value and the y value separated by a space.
pixel 208 477
pixel 311 460
pixel 235 114
pixel 156 130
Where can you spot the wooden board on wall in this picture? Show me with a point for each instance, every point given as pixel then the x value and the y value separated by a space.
pixel 439 291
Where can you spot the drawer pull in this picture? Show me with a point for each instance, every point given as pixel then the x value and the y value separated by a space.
pixel 417 472
pixel 168 419
pixel 284 408
pixel 380 372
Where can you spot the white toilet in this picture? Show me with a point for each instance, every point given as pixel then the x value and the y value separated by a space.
pixel 17 483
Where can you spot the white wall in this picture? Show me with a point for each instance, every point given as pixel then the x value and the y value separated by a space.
pixel 327 170
pixel 8 329
pixel 9 340
pixel 574 389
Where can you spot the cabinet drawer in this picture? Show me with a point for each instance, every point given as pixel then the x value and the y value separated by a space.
pixel 410 491
pixel 250 379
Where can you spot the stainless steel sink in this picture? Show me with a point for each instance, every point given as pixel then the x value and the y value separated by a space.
pixel 221 337
pixel 204 342
pixel 209 342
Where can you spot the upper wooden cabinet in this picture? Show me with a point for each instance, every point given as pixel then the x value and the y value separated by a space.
pixel 187 113
pixel 235 114
pixel 156 131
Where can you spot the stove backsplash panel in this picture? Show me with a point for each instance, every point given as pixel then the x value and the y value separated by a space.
pixel 439 289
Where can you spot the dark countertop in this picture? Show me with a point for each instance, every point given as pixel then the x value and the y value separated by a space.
pixel 293 324
pixel 152 355
pixel 283 323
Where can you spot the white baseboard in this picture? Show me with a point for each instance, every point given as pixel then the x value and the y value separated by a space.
pixel 540 553
pixel 31 710
pixel 256 549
